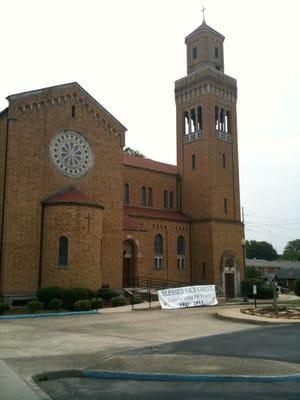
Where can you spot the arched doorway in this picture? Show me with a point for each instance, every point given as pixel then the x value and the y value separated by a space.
pixel 230 276
pixel 129 263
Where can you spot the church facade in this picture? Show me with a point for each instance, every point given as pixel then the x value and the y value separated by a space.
pixel 77 211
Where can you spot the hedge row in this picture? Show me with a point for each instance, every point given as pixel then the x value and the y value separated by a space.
pixel 55 298
pixel 263 291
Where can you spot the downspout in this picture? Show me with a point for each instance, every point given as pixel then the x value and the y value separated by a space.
pixel 41 247
pixel 190 246
pixel 8 119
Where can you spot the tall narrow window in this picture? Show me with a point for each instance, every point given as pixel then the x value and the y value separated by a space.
pixel 150 197
pixel 225 206
pixel 199 118
pixel 224 160
pixel 143 196
pixel 193 121
pixel 194 52
pixel 126 193
pixel 73 112
pixel 180 252
pixel 217 118
pixel 216 52
pixel 193 161
pixel 228 122
pixel 186 123
pixel 222 120
pixel 63 251
pixel 158 251
pixel 166 199
pixel 171 200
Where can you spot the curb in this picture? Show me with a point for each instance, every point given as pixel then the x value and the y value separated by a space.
pixel 142 376
pixel 62 314
pixel 254 321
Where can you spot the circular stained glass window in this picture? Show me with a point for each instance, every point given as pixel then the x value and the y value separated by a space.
pixel 71 153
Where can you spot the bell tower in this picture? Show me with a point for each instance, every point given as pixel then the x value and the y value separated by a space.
pixel 207 158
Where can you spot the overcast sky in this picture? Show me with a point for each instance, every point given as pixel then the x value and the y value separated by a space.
pixel 128 53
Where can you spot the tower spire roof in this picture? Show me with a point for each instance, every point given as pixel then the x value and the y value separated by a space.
pixel 203 28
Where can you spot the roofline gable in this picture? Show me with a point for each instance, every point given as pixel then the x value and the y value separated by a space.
pixel 70 85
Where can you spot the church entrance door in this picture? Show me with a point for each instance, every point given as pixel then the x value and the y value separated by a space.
pixel 129 263
pixel 229 285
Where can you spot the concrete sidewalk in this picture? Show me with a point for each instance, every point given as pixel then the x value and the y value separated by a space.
pixel 13 387
pixel 195 365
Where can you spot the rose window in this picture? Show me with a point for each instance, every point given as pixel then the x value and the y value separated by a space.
pixel 71 153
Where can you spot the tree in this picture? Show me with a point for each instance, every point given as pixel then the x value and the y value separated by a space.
pixel 260 250
pixel 253 275
pixel 292 251
pixel 132 152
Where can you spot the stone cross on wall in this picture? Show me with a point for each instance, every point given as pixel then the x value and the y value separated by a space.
pixel 88 218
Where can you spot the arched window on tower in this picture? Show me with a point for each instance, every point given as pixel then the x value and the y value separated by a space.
pixel 222 120
pixel 193 121
pixel 217 118
pixel 193 161
pixel 228 122
pixel 126 193
pixel 63 249
pixel 199 118
pixel 186 123
pixel 158 251
pixel 143 196
pixel 180 252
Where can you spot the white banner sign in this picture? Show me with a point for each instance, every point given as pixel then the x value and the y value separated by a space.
pixel 189 296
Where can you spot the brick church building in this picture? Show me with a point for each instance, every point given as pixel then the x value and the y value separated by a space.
pixel 77 211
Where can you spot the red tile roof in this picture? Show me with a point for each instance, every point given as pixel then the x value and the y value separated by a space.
pixel 129 224
pixel 154 213
pixel 147 163
pixel 71 195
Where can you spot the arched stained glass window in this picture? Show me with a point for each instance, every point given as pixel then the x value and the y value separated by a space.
pixel 180 252
pixel 63 250
pixel 158 251
pixel 158 245
pixel 180 246
pixel 144 196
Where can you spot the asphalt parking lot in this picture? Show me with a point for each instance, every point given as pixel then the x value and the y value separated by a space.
pixel 52 344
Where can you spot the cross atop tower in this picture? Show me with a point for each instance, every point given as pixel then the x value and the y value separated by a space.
pixel 203 12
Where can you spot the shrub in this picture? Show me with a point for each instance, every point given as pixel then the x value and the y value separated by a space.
pixel 106 293
pixel 118 301
pixel 82 305
pixel 96 303
pixel 45 295
pixel 91 294
pixel 263 291
pixel 55 304
pixel 297 287
pixel 71 295
pixel 136 299
pixel 34 306
pixel 4 307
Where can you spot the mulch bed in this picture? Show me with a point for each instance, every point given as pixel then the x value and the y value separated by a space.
pixel 268 312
